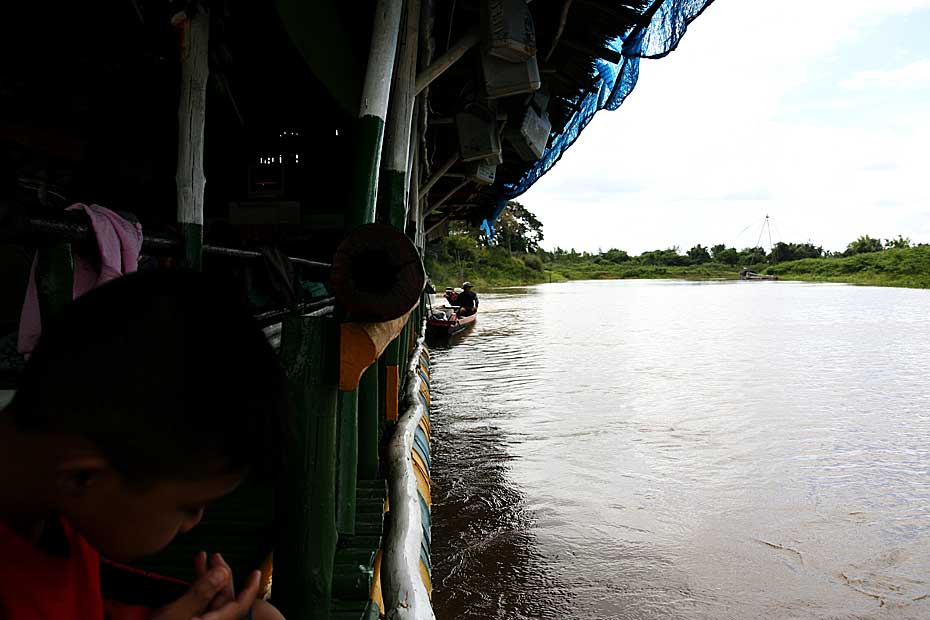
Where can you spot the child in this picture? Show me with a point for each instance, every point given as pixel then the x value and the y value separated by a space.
pixel 144 400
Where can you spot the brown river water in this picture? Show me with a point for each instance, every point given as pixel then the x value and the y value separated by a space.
pixel 666 449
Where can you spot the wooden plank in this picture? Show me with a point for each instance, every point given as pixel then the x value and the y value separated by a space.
pixel 347 462
pixel 368 425
pixel 305 553
pixel 392 393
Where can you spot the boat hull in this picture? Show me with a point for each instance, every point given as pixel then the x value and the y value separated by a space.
pixel 450 326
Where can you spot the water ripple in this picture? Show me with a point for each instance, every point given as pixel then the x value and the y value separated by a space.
pixel 678 450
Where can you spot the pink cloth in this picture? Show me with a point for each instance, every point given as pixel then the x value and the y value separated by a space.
pixel 119 242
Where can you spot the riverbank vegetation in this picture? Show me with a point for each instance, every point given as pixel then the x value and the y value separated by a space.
pixel 907 267
pixel 514 257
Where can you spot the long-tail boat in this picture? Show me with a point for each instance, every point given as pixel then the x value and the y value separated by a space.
pixel 442 322
pixel 329 142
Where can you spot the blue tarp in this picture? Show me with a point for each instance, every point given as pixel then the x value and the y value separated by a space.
pixel 616 81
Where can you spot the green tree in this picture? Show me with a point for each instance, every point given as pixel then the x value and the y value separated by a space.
pixel 750 256
pixel 864 245
pixel 728 256
pixel 699 254
pixel 518 229
pixel 901 243
pixel 616 256
pixel 668 258
pixel 782 252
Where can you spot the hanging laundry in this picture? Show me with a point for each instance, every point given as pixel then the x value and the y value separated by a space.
pixel 119 242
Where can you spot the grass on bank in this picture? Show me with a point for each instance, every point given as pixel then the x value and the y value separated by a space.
pixel 905 267
pixel 490 267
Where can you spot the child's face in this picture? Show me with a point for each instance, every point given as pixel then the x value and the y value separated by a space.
pixel 125 522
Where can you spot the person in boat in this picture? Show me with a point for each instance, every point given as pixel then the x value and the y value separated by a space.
pixel 124 426
pixel 467 300
pixel 450 295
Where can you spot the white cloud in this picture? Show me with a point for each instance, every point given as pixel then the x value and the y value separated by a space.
pixel 713 139
pixel 913 75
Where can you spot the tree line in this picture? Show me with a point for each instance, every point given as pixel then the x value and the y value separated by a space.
pixel 780 252
pixel 520 232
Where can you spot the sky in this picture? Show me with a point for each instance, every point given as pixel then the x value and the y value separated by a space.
pixel 813 112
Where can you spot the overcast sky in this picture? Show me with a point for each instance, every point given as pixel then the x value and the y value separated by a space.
pixel 815 112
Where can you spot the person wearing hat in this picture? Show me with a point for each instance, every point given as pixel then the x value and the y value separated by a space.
pixel 467 300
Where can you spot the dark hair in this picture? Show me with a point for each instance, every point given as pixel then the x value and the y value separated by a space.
pixel 165 373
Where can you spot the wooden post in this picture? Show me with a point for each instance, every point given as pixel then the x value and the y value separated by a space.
pixel 373 111
pixel 393 190
pixel 347 461
pixel 306 502
pixel 390 361
pixel 414 228
pixel 194 29
pixel 368 424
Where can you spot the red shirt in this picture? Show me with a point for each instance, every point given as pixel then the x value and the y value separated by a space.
pixel 36 585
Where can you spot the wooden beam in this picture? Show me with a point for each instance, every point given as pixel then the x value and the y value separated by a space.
pixel 437 225
pixel 566 5
pixel 439 66
pixel 442 200
pixel 361 344
pixel 443 169
pixel 597 52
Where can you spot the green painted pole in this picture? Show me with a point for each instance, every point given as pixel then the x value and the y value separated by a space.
pixel 373 111
pixel 359 429
pixel 307 498
pixel 54 280
pixel 347 462
pixel 368 424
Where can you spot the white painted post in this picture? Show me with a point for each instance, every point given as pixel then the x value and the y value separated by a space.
pixel 400 119
pixel 194 28
pixel 376 92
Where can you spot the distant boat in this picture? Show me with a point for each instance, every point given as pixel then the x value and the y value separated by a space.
pixel 444 321
pixel 746 274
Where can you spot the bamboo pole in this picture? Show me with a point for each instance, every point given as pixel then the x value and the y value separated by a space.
pixel 194 28
pixel 373 111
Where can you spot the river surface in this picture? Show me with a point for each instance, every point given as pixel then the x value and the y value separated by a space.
pixel 667 449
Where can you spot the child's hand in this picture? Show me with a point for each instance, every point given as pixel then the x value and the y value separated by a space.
pixel 228 593
pixel 211 596
pixel 261 610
